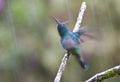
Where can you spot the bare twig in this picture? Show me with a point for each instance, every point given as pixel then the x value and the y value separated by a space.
pixel 105 75
pixel 77 26
pixel 80 17
pixel 61 69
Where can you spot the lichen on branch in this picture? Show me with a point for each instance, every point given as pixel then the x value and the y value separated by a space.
pixel 105 75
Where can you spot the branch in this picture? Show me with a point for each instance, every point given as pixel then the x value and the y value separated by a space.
pixel 65 58
pixel 105 75
pixel 61 69
pixel 80 17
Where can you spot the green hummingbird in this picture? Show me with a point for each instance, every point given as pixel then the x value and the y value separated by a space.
pixel 70 41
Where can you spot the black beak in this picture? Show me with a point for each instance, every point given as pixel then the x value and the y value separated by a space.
pixel 57 21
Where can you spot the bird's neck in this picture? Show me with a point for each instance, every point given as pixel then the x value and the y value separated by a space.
pixel 62 30
pixel 63 33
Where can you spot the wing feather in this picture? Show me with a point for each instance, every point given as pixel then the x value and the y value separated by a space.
pixel 86 33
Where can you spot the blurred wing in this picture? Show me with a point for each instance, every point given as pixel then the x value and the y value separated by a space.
pixel 86 33
pixel 89 48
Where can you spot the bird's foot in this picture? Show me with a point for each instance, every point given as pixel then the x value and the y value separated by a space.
pixel 68 54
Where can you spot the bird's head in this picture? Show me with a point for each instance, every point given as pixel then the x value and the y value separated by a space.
pixel 62 29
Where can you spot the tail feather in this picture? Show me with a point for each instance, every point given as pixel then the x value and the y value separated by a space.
pixel 82 63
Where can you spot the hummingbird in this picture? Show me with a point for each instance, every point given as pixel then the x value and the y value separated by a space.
pixel 70 41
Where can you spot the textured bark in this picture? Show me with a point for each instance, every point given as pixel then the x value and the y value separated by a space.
pixel 105 75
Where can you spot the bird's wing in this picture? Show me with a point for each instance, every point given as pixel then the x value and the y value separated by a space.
pixel 85 33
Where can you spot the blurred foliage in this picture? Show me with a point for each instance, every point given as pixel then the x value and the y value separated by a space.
pixel 29 42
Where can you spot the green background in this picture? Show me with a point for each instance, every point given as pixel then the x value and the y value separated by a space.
pixel 29 41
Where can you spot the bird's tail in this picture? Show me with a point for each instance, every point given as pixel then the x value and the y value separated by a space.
pixel 82 63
